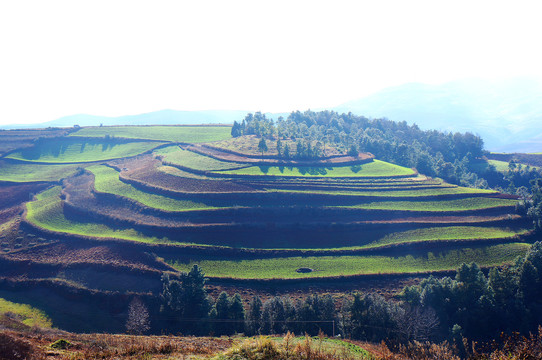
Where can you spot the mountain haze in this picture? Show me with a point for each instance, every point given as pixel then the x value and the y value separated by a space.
pixel 507 114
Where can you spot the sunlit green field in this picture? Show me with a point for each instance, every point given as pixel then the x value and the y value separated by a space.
pixel 70 151
pixel 473 203
pixel 25 313
pixel 438 191
pixel 26 172
pixel 446 233
pixel 107 181
pixel 188 134
pixel 189 159
pixel 325 266
pixel 46 212
pixel 375 168
pixel 500 166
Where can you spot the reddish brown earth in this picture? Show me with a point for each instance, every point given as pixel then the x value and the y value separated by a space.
pixel 231 156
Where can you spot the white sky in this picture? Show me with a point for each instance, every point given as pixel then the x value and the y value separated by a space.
pixel 113 58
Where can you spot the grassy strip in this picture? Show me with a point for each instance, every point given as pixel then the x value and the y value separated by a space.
pixel 107 181
pixel 25 313
pixel 17 172
pixel 75 151
pixel 474 203
pixel 188 134
pixel 446 233
pixel 500 166
pixel 403 193
pixel 46 212
pixel 375 168
pixel 285 268
pixel 189 159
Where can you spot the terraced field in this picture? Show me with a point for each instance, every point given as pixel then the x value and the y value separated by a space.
pixel 373 169
pixel 187 134
pixel 28 172
pixel 70 151
pixel 242 220
pixel 331 266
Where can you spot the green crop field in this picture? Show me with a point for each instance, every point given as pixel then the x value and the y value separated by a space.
pixel 394 193
pixel 25 313
pixel 189 159
pixel 375 168
pixel 447 233
pixel 46 212
pixel 107 181
pixel 326 266
pixel 474 203
pixel 26 172
pixel 187 134
pixel 500 166
pixel 70 151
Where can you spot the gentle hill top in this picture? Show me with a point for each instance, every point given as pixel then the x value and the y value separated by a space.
pixel 507 114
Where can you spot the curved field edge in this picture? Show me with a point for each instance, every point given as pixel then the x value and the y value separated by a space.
pixel 396 194
pixel 344 266
pixel 185 134
pixel 465 204
pixel 27 314
pixel 177 156
pixel 106 180
pixel 374 169
pixel 82 152
pixel 28 172
pixel 46 212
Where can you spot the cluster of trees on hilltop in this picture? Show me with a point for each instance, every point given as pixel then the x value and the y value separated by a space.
pixel 454 157
pixel 451 156
pixel 471 305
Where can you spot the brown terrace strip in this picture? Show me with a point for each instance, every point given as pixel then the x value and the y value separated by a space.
pixel 231 156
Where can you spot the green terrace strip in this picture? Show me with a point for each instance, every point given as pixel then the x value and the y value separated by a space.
pixel 69 151
pixel 28 315
pixel 106 180
pixel 187 134
pixel 473 203
pixel 500 166
pixel 46 212
pixel 27 172
pixel 177 156
pixel 446 233
pixel 375 168
pixel 394 193
pixel 327 266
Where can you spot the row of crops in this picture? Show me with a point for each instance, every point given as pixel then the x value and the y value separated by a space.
pixel 144 184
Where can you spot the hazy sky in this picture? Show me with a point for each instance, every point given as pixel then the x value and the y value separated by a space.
pixel 60 58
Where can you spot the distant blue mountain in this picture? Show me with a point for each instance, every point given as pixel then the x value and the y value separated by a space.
pixel 507 114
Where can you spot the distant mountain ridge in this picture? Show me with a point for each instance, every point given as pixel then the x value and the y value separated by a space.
pixel 162 117
pixel 507 114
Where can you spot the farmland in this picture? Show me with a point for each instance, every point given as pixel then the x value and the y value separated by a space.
pixel 26 314
pixel 187 134
pixel 197 196
pixel 28 172
pixel 109 210
pixel 373 169
pixel 285 268
pixel 70 151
